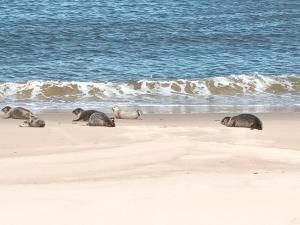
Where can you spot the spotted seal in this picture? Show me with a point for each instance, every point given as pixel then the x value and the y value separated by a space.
pixel 33 121
pixel 101 119
pixel 83 115
pixel 243 120
pixel 122 114
pixel 16 113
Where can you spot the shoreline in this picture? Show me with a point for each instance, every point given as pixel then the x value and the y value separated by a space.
pixel 165 109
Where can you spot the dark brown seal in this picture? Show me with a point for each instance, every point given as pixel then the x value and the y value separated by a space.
pixel 16 113
pixel 83 114
pixel 243 120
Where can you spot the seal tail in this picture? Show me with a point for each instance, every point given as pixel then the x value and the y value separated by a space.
pixel 139 112
pixel 259 125
pixel 41 123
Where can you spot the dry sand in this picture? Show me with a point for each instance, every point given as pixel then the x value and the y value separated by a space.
pixel 164 169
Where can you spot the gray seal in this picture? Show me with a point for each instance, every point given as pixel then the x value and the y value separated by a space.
pixel 16 113
pixel 243 120
pixel 83 115
pixel 101 119
pixel 122 114
pixel 33 121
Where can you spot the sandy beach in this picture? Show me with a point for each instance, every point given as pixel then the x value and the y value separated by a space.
pixel 163 169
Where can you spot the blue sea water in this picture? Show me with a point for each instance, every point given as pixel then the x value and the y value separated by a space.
pixel 94 42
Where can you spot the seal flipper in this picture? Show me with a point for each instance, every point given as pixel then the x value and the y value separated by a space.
pixel 24 124
pixel 139 113
pixel 79 118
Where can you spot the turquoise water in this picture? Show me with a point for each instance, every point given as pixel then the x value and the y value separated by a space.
pixel 58 53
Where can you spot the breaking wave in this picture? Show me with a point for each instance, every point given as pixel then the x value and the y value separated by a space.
pixel 235 85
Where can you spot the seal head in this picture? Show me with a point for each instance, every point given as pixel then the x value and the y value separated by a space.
pixel 6 109
pixel 77 111
pixel 225 120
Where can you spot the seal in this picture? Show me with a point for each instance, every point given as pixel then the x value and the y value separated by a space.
pixel 16 113
pixel 33 121
pixel 83 115
pixel 122 114
pixel 101 119
pixel 243 120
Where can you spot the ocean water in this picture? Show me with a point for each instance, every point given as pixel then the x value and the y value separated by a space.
pixel 159 55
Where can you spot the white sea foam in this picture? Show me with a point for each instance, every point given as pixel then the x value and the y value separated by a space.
pixel 216 86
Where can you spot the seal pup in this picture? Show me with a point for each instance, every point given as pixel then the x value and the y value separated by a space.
pixel 122 114
pixel 16 113
pixel 101 119
pixel 243 120
pixel 33 121
pixel 83 115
